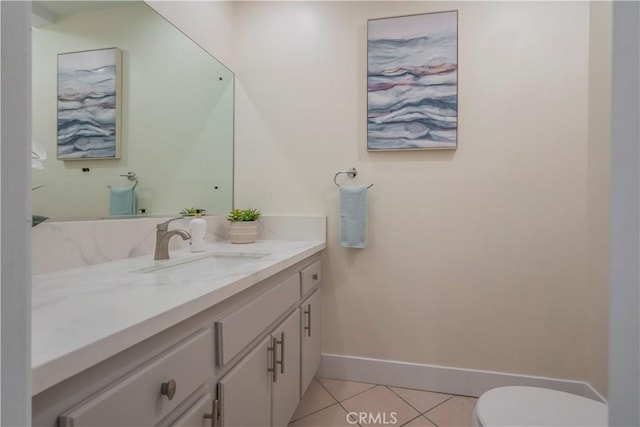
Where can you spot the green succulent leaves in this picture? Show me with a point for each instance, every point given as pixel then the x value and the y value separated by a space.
pixel 238 215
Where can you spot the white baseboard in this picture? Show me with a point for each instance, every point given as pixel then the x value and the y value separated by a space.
pixel 444 379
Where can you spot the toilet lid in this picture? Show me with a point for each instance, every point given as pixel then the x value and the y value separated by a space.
pixel 532 406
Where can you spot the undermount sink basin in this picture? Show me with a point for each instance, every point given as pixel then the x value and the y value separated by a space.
pixel 209 263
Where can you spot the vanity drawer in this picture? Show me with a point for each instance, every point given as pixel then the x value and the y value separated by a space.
pixel 310 276
pixel 137 399
pixel 235 331
pixel 195 415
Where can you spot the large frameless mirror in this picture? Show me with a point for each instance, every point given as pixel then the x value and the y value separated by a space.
pixel 121 98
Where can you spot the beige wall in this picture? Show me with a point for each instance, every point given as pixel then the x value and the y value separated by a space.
pixel 208 23
pixel 598 192
pixel 491 257
pixel 477 258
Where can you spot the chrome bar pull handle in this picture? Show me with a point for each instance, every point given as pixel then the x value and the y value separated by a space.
pixel 308 314
pixel 281 342
pixel 213 416
pixel 274 359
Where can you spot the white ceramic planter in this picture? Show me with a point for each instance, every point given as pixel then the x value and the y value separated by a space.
pixel 243 231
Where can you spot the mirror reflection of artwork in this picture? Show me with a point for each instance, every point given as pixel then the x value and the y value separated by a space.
pixel 88 105
pixel 412 82
pixel 177 114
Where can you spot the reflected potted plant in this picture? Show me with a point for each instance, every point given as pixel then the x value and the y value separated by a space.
pixel 192 211
pixel 243 227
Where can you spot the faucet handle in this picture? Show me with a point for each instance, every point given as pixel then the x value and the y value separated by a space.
pixel 164 226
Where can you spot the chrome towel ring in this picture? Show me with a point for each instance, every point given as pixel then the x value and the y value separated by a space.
pixel 351 173
pixel 131 176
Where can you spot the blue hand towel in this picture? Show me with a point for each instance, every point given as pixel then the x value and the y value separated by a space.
pixel 353 217
pixel 122 201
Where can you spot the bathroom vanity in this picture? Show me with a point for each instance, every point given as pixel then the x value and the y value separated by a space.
pixel 231 337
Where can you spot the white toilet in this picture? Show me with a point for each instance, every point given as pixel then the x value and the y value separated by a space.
pixel 532 406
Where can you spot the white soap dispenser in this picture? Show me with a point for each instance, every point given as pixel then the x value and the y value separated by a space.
pixel 198 228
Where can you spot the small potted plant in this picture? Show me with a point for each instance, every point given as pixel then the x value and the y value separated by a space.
pixel 244 225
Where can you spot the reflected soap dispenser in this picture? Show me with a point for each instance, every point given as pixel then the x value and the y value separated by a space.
pixel 198 228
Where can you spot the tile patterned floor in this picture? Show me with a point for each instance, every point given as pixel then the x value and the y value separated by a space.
pixel 328 403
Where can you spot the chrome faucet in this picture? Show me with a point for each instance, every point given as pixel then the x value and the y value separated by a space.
pixel 163 235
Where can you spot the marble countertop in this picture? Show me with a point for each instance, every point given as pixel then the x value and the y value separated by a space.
pixel 84 315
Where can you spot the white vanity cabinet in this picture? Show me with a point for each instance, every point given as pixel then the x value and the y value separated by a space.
pixel 310 339
pixel 263 388
pixel 245 361
pixel 311 327
pixel 286 376
pixel 244 394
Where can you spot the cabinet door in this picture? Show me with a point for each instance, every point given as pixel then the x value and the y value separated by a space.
pixel 286 385
pixel 311 338
pixel 245 392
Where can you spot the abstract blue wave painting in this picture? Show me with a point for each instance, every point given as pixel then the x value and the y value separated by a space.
pixel 412 82
pixel 89 105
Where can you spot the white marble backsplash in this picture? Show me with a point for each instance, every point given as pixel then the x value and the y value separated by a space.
pixel 57 246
